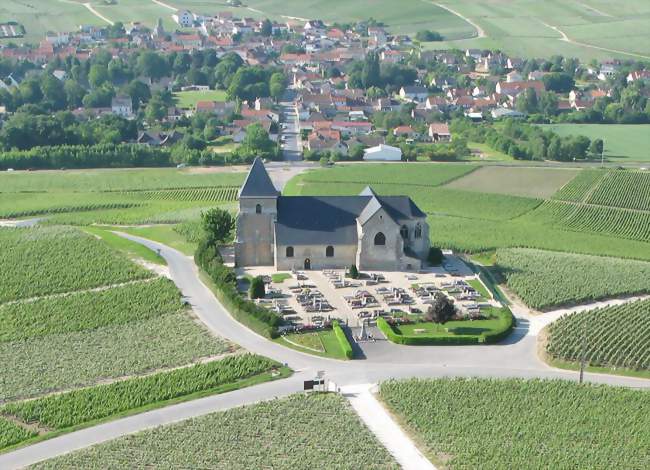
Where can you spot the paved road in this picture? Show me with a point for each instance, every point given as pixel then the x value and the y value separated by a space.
pixel 291 146
pixel 516 357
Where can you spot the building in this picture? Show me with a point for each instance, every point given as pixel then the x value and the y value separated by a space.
pixel 184 18
pixel 384 153
pixel 326 232
pixel 122 106
pixel 439 132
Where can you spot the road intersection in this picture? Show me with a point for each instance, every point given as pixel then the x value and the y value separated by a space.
pixel 382 360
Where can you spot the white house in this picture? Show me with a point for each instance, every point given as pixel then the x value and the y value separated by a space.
pixel 383 152
pixel 122 106
pixel 184 18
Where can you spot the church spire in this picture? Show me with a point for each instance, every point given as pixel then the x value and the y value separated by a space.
pixel 258 183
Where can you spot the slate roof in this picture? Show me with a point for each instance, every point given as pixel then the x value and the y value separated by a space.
pixel 332 220
pixel 258 183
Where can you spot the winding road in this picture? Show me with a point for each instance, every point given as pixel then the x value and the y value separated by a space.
pixel 382 360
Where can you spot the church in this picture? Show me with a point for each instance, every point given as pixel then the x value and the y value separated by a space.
pixel 372 232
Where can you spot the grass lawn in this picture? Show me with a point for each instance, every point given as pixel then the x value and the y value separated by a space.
pixel 131 248
pixel 188 99
pixel 164 234
pixel 481 152
pixel 456 327
pixel 320 343
pixel 280 277
pixel 534 182
pixel 623 143
pixel 480 288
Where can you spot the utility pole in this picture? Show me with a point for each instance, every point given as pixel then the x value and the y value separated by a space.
pixel 602 155
pixel 583 356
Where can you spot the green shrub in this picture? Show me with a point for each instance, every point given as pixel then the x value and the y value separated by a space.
pixel 256 318
pixel 342 339
pixel 354 272
pixel 257 290
pixel 435 256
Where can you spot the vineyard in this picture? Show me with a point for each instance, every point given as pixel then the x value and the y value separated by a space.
pixel 624 223
pixel 487 423
pixel 544 279
pixel 42 261
pixel 613 337
pixel 11 433
pixel 80 311
pixel 626 189
pixel 301 431
pixel 88 404
pixel 73 311
pixel 225 194
pixel 580 186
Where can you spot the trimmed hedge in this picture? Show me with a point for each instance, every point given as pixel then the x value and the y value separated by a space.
pixel 484 338
pixel 342 339
pixel 257 318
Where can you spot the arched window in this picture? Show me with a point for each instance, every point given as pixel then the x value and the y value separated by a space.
pixel 289 252
pixel 418 231
pixel 404 232
pixel 380 239
pixel 329 251
pixel 258 209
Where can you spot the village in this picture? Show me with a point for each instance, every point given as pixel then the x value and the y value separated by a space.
pixel 341 91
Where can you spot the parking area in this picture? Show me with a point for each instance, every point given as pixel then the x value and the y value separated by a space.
pixel 306 298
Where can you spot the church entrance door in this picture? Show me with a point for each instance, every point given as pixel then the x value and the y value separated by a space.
pixel 307 263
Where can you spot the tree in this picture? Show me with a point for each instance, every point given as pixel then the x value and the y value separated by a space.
pixel 257 290
pixel 597 148
pixel 527 102
pixel 155 110
pixel 558 82
pixel 98 75
pixel 354 272
pixel 442 310
pixel 277 85
pixel 139 92
pixel 53 91
pixel 217 225
pixel 152 65
pixel 267 28
pixel 428 36
pixel 370 73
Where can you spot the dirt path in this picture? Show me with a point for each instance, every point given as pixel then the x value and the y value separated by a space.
pixel 387 431
pixel 565 38
pixel 166 5
pixel 97 14
pixel 480 32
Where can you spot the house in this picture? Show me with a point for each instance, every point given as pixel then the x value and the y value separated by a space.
pixel 184 18
pixel 405 131
pixel 218 108
pixel 439 132
pixel 322 139
pixel 513 76
pixel 369 231
pixel 159 139
pixel 414 93
pixel 638 75
pixel 384 153
pixel 352 127
pixel 501 113
pixel 608 70
pixel 122 106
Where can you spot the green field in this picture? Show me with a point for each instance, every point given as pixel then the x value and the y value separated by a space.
pixel 302 431
pixel 544 279
pixel 121 197
pixel 73 311
pixel 188 99
pixel 470 221
pixel 525 28
pixel 515 181
pixel 623 142
pixel 613 337
pixel 483 423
